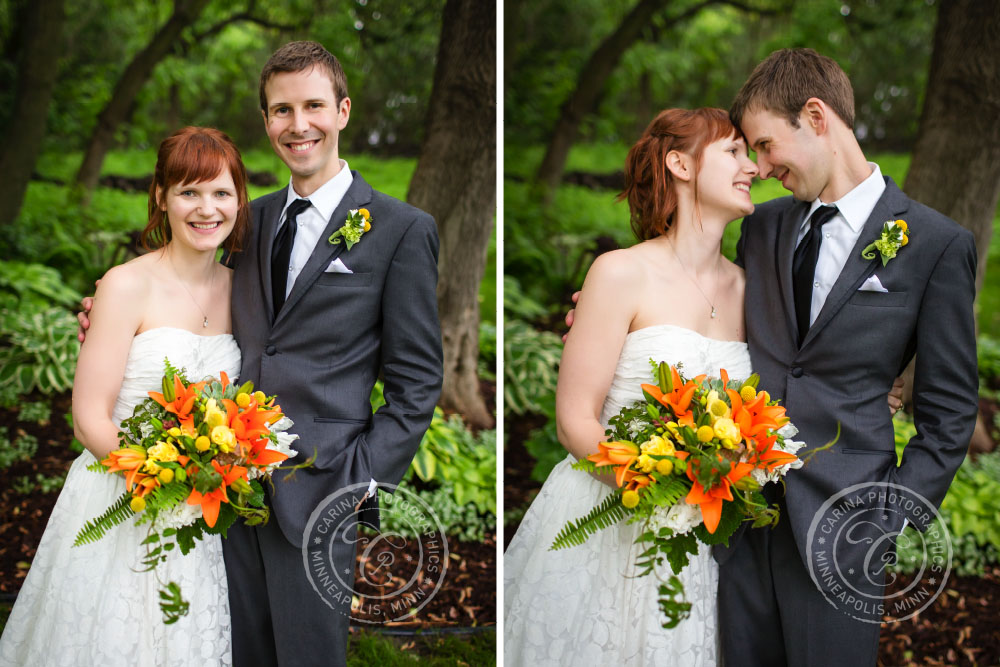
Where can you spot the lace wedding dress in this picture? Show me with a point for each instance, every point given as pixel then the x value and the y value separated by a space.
pixel 582 605
pixel 88 605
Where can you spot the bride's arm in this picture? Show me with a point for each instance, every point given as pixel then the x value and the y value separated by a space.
pixel 604 313
pixel 115 318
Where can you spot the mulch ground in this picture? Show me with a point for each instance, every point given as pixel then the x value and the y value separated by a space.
pixel 466 597
pixel 961 627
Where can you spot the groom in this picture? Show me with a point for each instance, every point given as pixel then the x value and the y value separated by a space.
pixel 828 330
pixel 318 323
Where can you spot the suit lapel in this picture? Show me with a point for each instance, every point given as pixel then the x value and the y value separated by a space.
pixel 265 242
pixel 788 234
pixel 856 270
pixel 359 194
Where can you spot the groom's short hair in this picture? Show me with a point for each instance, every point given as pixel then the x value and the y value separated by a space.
pixel 786 79
pixel 298 57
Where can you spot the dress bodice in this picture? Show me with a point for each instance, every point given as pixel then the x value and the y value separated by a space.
pixel 198 356
pixel 674 345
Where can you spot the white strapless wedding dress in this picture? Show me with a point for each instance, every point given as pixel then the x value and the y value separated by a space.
pixel 87 605
pixel 582 605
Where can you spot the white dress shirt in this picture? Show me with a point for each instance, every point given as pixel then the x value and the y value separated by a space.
pixel 840 234
pixel 311 224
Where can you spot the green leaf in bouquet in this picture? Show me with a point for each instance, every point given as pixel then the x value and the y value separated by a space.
pixel 172 604
pixel 227 516
pixel 732 517
pixel 186 536
pixel 151 538
pixel 609 512
pixel 672 602
pixel 207 480
pixel 114 515
pixel 256 499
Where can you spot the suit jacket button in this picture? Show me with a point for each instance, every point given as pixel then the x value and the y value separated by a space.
pixel 797 372
pixel 270 350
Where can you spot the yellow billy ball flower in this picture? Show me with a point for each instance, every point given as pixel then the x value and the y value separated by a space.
pixel 365 214
pixel 726 429
pixel 202 443
pixel 137 504
pixel 176 432
pixel 368 225
pixel 664 466
pixel 904 240
pixel 748 393
pixel 630 499
pixel 242 400
pixel 166 476
pixel 706 433
pixel 259 397
pixel 901 224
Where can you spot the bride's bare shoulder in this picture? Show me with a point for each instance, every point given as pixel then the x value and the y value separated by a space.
pixel 619 267
pixel 131 280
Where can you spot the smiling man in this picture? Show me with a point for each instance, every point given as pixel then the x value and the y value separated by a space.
pixel 318 321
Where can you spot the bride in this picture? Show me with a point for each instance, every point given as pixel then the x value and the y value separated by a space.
pixel 673 297
pixel 89 605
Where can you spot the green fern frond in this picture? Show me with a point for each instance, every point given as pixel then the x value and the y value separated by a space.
pixel 163 498
pixel 96 467
pixel 609 512
pixel 114 515
pixel 586 465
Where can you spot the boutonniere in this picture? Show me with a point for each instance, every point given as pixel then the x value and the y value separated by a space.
pixel 359 221
pixel 893 238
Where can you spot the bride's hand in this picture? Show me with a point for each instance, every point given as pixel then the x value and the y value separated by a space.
pixel 87 304
pixel 895 397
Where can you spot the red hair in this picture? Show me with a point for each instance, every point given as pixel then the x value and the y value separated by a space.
pixel 649 185
pixel 196 155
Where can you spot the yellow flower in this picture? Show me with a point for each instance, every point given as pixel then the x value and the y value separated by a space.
pixel 657 446
pixel 366 214
pixel 151 467
pixel 706 433
pixel 726 429
pixel 716 406
pixel 166 476
pixel 242 400
pixel 748 393
pixel 646 463
pixel 904 240
pixel 664 466
pixel 630 499
pixel 202 443
pixel 176 432
pixel 162 451
pixel 224 437
pixel 901 224
pixel 259 397
pixel 137 504
pixel 368 226
pixel 213 415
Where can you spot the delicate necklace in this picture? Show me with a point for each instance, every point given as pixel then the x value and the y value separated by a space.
pixel 718 271
pixel 195 301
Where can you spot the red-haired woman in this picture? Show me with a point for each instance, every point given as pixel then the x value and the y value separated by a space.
pixel 673 297
pixel 90 605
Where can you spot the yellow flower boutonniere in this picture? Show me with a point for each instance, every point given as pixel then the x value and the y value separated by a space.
pixel 359 221
pixel 894 236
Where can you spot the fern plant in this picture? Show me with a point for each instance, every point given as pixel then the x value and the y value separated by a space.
pixel 607 513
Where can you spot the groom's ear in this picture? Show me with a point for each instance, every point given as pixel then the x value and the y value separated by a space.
pixel 680 165
pixel 815 114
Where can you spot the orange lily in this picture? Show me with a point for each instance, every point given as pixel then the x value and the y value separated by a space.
pixel 252 423
pixel 184 398
pixel 678 400
pixel 616 453
pixel 211 501
pixel 128 461
pixel 259 455
pixel 710 500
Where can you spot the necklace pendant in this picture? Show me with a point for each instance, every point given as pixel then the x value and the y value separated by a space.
pixel 205 323
pixel 713 315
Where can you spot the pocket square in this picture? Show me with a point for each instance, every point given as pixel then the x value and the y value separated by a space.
pixel 337 266
pixel 873 284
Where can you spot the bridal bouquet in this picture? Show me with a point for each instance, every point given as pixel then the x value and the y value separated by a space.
pixel 689 462
pixel 193 457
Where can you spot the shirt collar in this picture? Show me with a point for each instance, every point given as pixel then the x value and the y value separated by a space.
pixel 327 197
pixel 858 204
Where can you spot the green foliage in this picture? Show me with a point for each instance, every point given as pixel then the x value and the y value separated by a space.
pixel 531 363
pixel 364 649
pixel 988 349
pixel 608 512
pixel 38 412
pixel 464 522
pixel 449 453
pixel 42 484
pixel 34 284
pixel 487 368
pixel 970 506
pixel 544 446
pixel 74 445
pixel 97 528
pixel 38 349
pixel 22 448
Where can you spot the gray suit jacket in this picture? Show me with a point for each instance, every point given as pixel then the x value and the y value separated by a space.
pixel 333 337
pixel 860 342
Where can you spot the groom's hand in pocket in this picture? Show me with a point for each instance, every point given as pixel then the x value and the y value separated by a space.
pixel 86 303
pixel 571 314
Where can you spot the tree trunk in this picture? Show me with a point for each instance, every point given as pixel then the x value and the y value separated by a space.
pixel 38 66
pixel 119 107
pixel 956 159
pixel 589 85
pixel 455 181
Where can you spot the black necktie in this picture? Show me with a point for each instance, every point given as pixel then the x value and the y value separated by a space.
pixel 804 266
pixel 282 252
